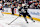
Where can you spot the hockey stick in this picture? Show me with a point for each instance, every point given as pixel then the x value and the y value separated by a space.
pixel 12 21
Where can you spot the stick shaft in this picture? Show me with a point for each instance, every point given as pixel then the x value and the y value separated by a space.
pixel 12 21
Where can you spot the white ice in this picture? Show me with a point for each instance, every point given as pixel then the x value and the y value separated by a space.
pixel 20 22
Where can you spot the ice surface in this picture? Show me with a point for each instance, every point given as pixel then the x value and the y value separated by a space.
pixel 20 22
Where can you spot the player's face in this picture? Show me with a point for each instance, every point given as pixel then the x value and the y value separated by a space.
pixel 16 5
pixel 20 5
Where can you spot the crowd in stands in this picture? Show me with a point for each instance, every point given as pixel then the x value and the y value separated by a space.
pixel 30 4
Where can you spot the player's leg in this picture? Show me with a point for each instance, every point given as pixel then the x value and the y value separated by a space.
pixel 31 18
pixel 25 18
pixel 12 10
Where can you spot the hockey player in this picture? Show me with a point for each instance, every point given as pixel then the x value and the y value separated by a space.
pixel 1 6
pixel 24 12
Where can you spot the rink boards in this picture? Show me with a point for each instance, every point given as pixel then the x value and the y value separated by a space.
pixel 35 13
